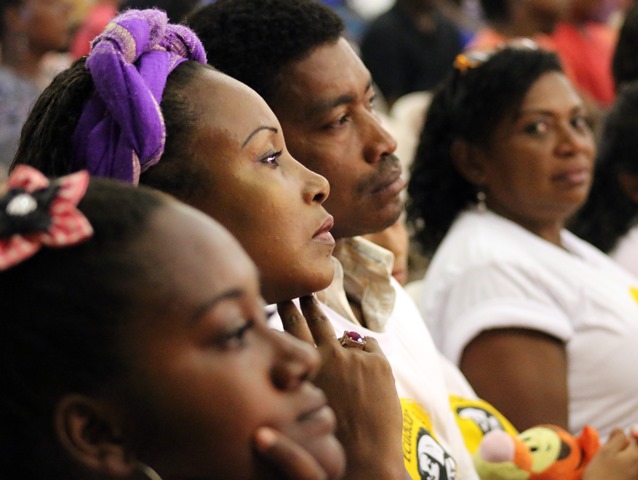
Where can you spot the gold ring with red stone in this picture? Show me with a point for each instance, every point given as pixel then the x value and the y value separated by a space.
pixel 352 339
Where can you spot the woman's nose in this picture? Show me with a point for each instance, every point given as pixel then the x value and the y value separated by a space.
pixel 295 361
pixel 572 141
pixel 316 187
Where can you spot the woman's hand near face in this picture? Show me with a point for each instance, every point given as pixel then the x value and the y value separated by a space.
pixel 360 389
pixel 287 456
pixel 523 373
pixel 616 460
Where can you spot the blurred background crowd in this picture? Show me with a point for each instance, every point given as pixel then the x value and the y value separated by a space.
pixel 408 45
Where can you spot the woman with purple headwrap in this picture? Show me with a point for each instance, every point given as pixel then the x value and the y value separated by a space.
pixel 145 108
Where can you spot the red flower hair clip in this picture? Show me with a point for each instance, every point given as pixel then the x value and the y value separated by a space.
pixel 34 212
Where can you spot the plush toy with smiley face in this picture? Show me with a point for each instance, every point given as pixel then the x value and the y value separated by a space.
pixel 545 452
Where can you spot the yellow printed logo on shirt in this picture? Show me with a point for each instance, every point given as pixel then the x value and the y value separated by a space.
pixel 475 418
pixel 424 457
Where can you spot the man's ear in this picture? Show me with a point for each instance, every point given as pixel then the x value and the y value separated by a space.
pixel 468 161
pixel 91 434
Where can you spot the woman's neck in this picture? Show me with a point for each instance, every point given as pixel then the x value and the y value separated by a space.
pixel 549 230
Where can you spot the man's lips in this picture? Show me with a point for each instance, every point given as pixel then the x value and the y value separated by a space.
pixel 389 181
pixel 391 185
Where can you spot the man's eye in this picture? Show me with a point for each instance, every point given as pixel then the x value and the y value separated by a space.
pixel 339 122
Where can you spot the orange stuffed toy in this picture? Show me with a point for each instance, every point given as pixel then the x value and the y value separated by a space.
pixel 545 452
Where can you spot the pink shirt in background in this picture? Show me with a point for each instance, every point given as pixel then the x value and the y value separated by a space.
pixel 587 52
pixel 98 17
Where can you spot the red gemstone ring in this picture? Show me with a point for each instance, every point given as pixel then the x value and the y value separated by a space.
pixel 352 339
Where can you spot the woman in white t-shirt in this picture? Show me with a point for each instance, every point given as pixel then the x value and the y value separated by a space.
pixel 609 219
pixel 542 324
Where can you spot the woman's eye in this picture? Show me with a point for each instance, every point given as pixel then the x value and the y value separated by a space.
pixel 372 102
pixel 269 313
pixel 272 159
pixel 537 128
pixel 581 122
pixel 237 337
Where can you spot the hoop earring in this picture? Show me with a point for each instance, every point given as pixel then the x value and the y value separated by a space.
pixel 148 471
pixel 480 201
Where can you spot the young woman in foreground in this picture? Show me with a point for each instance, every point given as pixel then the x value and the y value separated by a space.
pixel 126 356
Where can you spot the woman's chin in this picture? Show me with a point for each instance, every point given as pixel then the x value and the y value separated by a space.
pixel 327 452
pixel 296 287
pixel 330 455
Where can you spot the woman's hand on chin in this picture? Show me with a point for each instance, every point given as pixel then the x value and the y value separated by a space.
pixel 290 458
pixel 360 388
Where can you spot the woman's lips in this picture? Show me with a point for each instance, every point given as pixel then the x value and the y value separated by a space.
pixel 320 420
pixel 573 177
pixel 323 234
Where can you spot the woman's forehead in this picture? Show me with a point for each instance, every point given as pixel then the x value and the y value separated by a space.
pixel 187 238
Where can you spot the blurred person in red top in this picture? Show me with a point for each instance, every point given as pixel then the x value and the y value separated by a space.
pixel 585 44
pixel 96 19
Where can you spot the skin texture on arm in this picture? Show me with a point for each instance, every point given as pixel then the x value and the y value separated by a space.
pixel 360 389
pixel 521 372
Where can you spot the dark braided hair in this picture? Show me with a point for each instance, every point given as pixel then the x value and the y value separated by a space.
pixel 46 140
pixel 467 106
pixel 253 40
pixel 609 213
pixel 62 313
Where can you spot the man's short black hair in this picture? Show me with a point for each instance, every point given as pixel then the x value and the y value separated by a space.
pixel 253 40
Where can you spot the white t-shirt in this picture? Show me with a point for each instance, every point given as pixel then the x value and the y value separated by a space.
pixel 491 273
pixel 419 377
pixel 625 253
pixel 433 444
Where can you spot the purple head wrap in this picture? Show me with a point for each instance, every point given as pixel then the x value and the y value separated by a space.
pixel 121 131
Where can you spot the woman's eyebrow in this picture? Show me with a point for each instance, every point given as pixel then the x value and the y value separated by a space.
pixel 548 113
pixel 207 305
pixel 255 131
